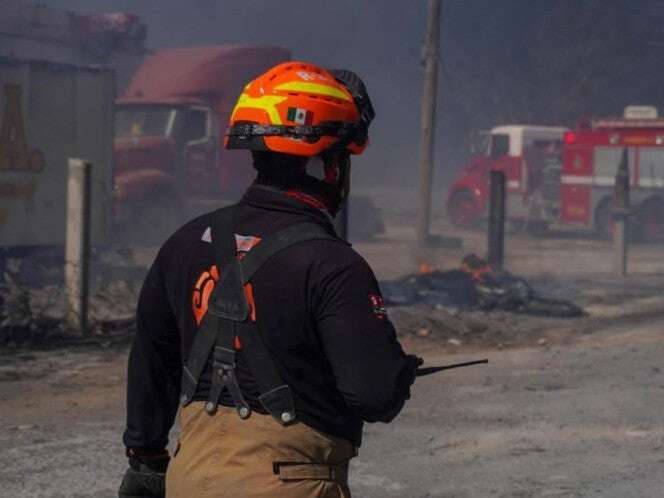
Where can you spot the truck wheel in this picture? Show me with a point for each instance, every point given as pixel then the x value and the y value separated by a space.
pixel 537 228
pixel 604 219
pixel 649 221
pixel 463 210
pixel 517 225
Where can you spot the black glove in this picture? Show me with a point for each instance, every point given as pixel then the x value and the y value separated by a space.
pixel 145 477
pixel 404 380
pixel 413 362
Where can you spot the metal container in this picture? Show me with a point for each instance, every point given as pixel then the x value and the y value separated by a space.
pixel 49 113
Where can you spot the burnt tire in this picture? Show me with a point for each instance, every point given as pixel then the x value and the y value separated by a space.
pixel 462 209
pixel 552 308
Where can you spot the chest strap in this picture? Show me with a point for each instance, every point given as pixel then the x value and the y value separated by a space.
pixel 228 317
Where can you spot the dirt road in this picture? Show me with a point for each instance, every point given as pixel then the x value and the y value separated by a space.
pixel 580 419
pixel 578 416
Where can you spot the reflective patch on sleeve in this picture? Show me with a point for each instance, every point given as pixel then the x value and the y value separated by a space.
pixel 377 306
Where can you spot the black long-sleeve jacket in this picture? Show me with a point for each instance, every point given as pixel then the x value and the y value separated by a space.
pixel 318 309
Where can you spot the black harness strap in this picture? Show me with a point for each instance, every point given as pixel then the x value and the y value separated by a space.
pixel 228 317
pixel 275 396
pixel 229 309
pixel 207 332
pixel 277 242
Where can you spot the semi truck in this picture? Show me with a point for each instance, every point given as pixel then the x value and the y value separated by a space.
pixel 170 163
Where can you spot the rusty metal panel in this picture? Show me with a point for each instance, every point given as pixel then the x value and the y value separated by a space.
pixel 48 113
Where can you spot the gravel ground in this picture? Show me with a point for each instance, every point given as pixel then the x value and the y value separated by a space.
pixel 565 408
pixel 580 419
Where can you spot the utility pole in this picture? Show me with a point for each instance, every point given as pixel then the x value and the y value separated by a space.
pixel 428 122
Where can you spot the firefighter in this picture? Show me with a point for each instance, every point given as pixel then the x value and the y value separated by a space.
pixel 265 327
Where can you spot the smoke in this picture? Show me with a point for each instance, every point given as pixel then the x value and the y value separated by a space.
pixel 495 60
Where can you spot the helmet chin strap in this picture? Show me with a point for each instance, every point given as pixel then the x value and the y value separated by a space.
pixel 336 186
pixel 342 214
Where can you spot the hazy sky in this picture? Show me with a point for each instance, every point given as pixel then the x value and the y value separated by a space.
pixel 380 40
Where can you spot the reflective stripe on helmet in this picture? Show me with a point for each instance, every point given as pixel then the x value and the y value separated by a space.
pixel 299 86
pixel 330 128
pixel 265 103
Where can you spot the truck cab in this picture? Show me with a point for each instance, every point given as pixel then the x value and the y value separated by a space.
pixel 169 142
pixel 170 163
pixel 528 155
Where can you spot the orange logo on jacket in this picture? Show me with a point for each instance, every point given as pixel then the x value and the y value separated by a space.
pixel 202 290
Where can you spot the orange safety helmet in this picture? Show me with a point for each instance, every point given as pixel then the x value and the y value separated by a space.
pixel 301 109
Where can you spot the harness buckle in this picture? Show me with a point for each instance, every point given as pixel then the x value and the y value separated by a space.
pixel 223 376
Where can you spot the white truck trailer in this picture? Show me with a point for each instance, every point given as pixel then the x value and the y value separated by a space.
pixel 48 113
pixel 31 30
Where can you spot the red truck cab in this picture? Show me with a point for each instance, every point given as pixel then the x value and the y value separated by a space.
pixel 170 163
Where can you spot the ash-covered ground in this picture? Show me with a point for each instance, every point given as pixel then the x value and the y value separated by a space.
pixel 560 265
pixel 566 407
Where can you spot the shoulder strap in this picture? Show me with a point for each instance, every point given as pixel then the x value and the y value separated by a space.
pixel 228 313
pixel 277 242
pixel 228 300
pixel 222 223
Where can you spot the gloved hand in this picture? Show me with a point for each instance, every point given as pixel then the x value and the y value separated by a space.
pixel 404 380
pixel 413 362
pixel 146 475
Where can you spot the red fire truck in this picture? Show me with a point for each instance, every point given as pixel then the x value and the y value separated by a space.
pixel 569 182
pixel 527 155
pixel 590 159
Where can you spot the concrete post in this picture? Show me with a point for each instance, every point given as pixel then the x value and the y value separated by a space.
pixel 428 122
pixel 77 249
pixel 621 210
pixel 496 235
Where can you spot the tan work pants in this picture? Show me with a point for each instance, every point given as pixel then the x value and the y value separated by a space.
pixel 225 456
